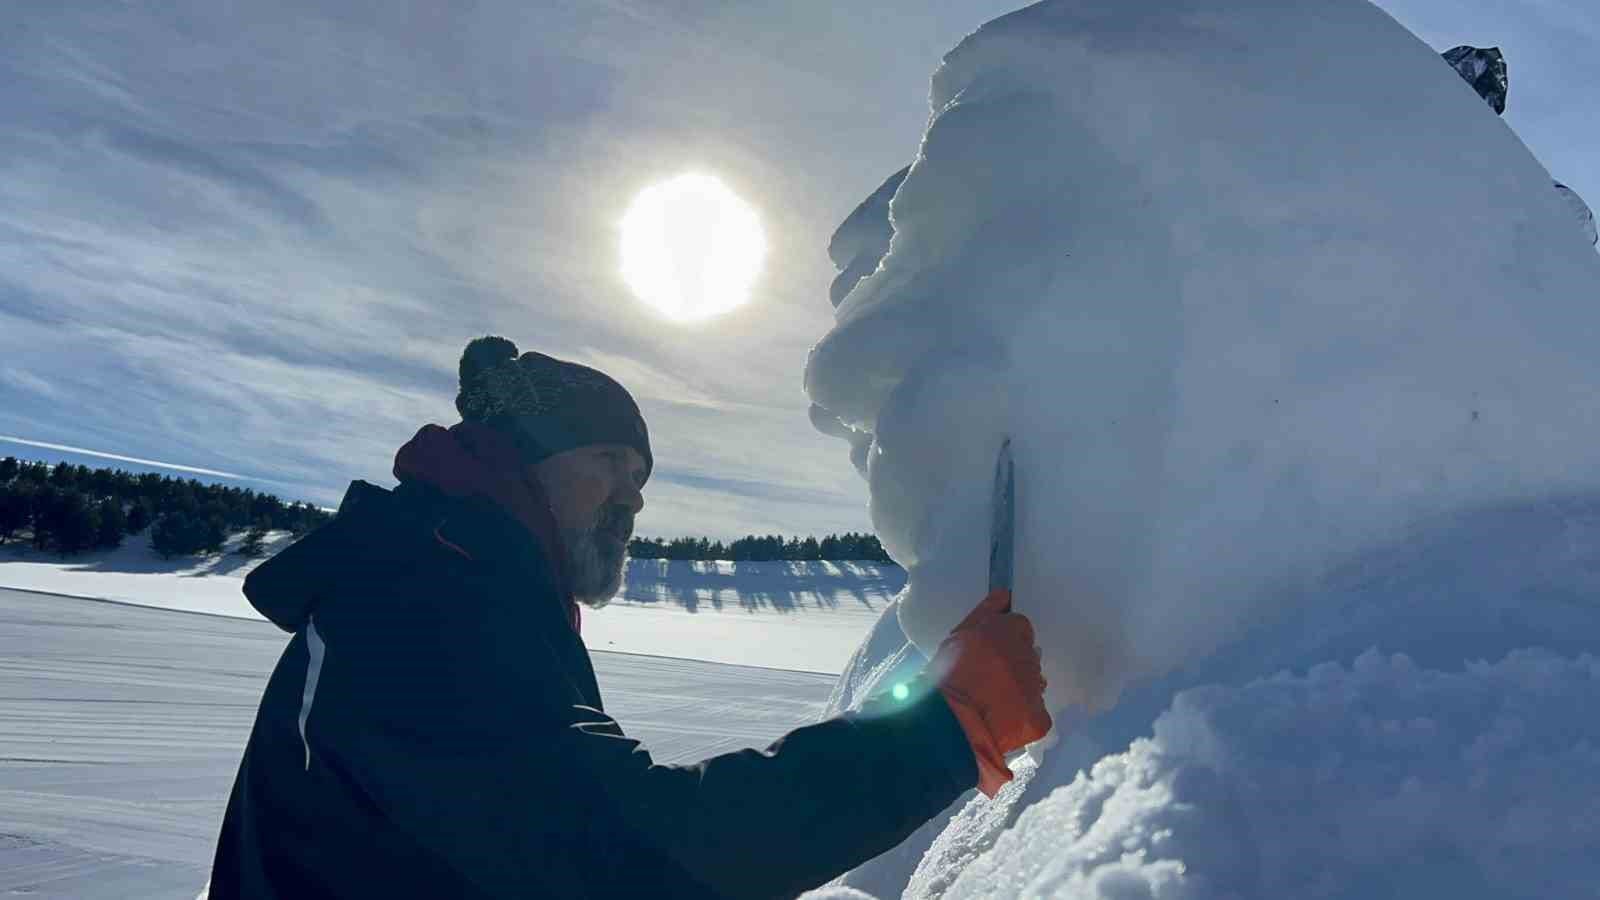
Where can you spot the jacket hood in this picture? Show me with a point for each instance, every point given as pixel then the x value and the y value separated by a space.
pixel 379 531
pixel 371 523
pixel 455 491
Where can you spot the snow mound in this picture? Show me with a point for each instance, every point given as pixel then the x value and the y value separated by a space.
pixel 1383 779
pixel 1468 586
pixel 1245 309
pixel 835 893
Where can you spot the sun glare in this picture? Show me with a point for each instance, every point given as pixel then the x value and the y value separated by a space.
pixel 691 248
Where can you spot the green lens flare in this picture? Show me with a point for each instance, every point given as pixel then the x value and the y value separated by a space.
pixel 901 692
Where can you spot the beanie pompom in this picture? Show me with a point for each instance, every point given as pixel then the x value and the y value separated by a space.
pixel 481 355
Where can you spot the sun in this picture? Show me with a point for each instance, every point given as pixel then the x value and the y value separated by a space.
pixel 691 247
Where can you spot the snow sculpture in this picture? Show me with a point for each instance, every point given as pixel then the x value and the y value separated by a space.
pixel 1287 377
pixel 862 240
pixel 1240 324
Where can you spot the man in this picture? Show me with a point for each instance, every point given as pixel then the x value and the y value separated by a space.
pixel 434 728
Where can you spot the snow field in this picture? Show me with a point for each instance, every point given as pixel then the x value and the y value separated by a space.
pixel 121 729
pixel 806 616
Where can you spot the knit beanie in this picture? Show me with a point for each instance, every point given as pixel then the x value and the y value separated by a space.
pixel 546 405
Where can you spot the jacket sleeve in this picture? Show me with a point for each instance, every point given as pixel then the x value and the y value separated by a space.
pixel 776 822
pixel 460 731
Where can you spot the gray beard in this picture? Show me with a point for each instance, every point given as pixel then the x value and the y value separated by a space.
pixel 595 573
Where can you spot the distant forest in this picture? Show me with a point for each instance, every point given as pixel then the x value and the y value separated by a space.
pixel 850 546
pixel 69 508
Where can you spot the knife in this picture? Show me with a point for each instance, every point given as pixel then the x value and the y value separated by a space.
pixel 1002 560
pixel 1002 533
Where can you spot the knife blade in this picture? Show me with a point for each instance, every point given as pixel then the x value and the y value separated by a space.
pixel 1002 532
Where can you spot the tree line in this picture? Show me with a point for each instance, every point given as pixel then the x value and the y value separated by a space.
pixel 68 508
pixel 764 548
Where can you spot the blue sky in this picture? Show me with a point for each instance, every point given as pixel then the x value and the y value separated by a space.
pixel 253 237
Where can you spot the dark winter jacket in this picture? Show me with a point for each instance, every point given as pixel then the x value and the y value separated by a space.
pixel 434 729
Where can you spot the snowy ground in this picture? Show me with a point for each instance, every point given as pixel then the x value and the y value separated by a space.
pixel 805 616
pixel 121 727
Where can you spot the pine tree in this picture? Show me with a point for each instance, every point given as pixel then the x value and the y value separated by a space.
pixel 646 548
pixel 62 474
pixel 255 538
pixel 100 482
pixel 167 534
pixel 113 524
pixel 303 517
pixel 683 548
pixel 16 508
pixel 34 472
pixel 180 533
pixel 9 467
pixel 139 516
pixel 872 549
pixel 77 525
pixel 46 517
pixel 213 532
pixel 268 506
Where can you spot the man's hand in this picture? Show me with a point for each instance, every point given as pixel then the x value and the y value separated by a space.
pixel 994 685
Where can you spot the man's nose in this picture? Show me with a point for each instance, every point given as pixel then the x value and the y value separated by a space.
pixel 631 497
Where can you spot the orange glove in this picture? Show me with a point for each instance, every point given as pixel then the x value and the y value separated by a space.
pixel 993 683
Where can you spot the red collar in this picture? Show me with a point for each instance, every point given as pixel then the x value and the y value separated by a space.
pixel 471 459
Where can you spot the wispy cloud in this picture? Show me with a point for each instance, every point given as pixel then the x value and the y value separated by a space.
pixel 26 381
